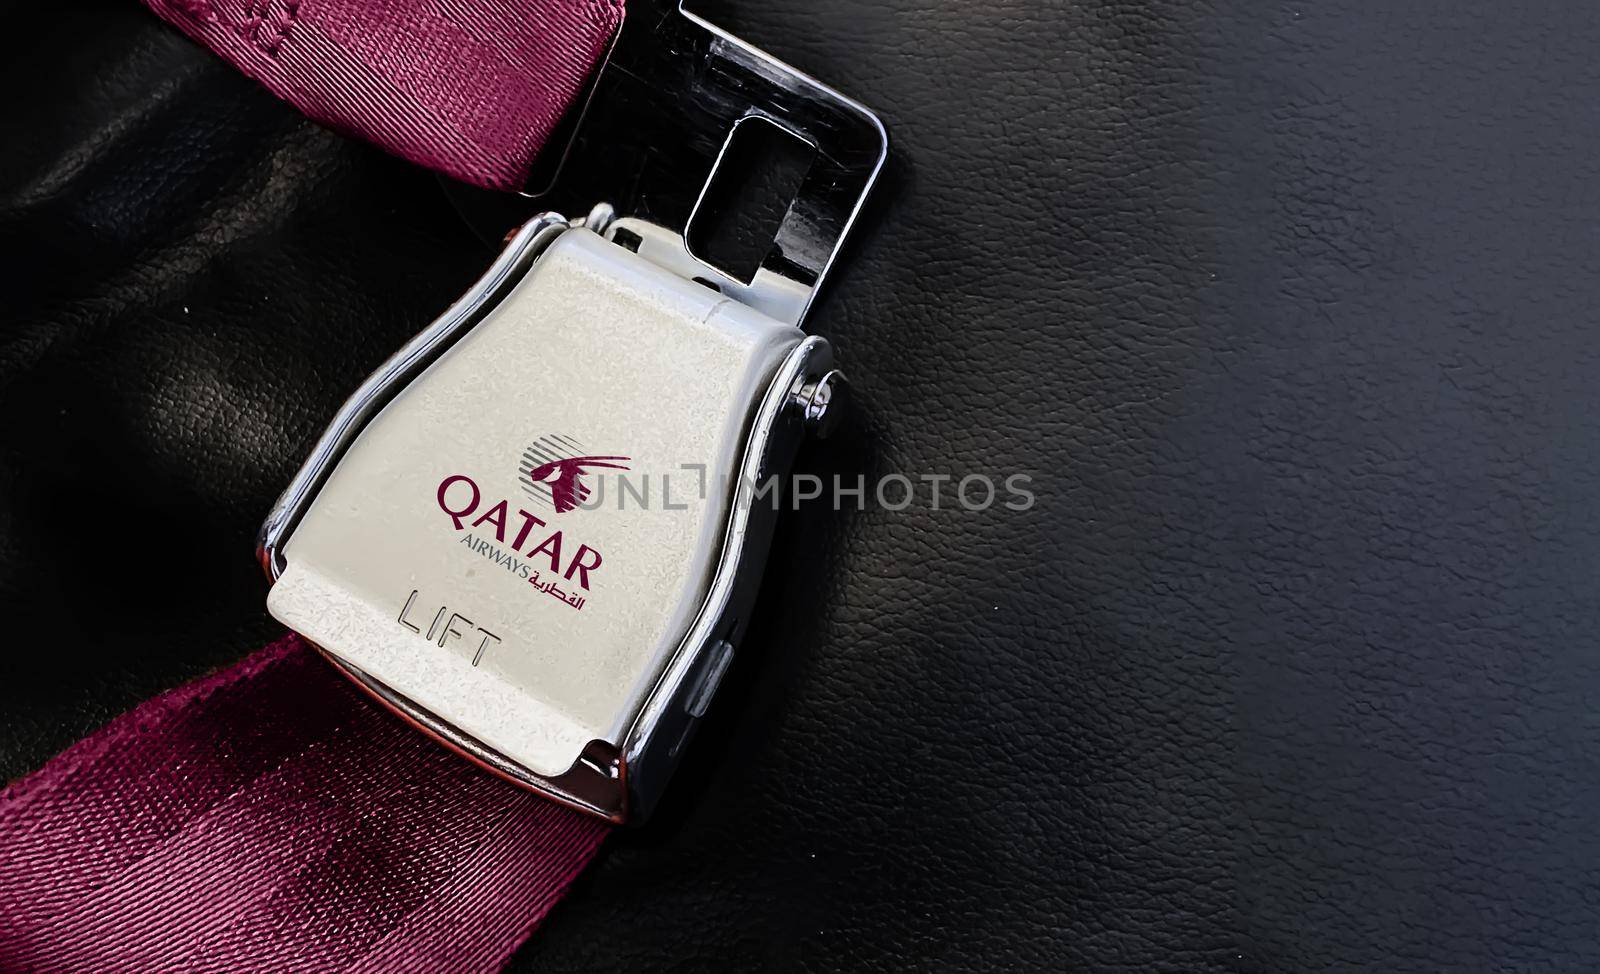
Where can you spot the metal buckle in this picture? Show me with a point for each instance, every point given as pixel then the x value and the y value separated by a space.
pixel 657 123
pixel 600 724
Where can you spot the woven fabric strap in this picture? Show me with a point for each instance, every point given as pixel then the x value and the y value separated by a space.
pixel 269 818
pixel 471 88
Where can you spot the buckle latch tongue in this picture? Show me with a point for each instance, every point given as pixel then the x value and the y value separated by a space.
pixel 659 119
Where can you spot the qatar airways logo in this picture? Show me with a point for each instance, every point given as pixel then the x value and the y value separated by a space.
pixel 522 543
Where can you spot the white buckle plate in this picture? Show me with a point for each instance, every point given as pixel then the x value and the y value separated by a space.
pixel 461 543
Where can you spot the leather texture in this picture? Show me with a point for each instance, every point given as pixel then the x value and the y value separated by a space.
pixel 1288 310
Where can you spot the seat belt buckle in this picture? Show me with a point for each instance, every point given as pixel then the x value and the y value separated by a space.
pixel 537 531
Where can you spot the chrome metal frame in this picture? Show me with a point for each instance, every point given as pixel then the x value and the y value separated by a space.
pixel 658 120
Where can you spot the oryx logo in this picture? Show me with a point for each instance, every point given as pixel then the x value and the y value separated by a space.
pixel 553 469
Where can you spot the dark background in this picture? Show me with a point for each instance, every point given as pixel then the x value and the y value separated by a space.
pixel 1289 309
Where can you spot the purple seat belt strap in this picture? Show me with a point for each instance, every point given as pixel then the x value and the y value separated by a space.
pixel 471 88
pixel 270 818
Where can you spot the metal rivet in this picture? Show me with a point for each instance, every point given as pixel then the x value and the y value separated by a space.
pixel 822 402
